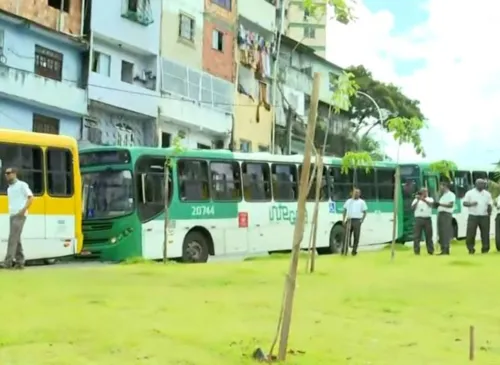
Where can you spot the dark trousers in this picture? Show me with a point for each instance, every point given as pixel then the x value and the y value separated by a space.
pixel 473 222
pixel 445 231
pixel 497 232
pixel 423 225
pixel 354 232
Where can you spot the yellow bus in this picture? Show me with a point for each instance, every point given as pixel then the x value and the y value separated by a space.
pixel 49 164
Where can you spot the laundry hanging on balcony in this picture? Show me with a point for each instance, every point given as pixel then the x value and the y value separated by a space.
pixel 255 51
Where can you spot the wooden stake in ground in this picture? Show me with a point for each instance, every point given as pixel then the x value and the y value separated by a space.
pixel 311 258
pixel 299 223
pixel 471 343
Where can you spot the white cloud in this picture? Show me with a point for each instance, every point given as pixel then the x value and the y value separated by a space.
pixel 459 83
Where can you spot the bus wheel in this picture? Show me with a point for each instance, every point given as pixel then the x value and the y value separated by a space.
pixel 336 238
pixel 195 248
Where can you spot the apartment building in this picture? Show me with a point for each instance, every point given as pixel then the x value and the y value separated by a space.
pixel 197 101
pixel 41 68
pixel 123 69
pixel 302 26
pixel 256 29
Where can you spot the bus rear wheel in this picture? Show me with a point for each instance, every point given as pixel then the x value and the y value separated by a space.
pixel 195 248
pixel 335 241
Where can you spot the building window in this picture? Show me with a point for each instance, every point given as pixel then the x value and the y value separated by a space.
pixel 166 139
pixel 48 63
pixel 332 81
pixel 218 40
pixel 127 72
pixel 139 11
pixel 202 146
pixel 245 146
pixel 263 148
pixel 226 4
pixel 44 124
pixel 58 4
pixel 186 27
pixel 306 14
pixel 101 63
pixel 309 32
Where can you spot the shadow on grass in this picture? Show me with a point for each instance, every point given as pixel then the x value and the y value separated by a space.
pixel 398 247
pixel 275 256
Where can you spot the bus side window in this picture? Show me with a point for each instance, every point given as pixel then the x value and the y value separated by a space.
pixel 343 184
pixel 478 175
pixel 461 183
pixel 256 181
pixel 385 183
pixel 150 182
pixel 365 181
pixel 311 195
pixel 226 181
pixel 192 176
pixel 59 172
pixel 29 161
pixel 284 182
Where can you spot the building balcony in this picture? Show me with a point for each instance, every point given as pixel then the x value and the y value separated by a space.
pixel 296 79
pixel 27 87
pixel 260 12
pixel 196 99
pixel 123 95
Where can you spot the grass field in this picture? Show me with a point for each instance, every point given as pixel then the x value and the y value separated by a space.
pixel 362 310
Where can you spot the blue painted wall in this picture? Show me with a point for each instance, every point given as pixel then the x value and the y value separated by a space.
pixel 19 53
pixel 15 115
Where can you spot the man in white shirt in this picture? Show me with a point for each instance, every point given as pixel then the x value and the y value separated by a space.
pixel 445 207
pixel 480 203
pixel 353 216
pixel 20 198
pixel 422 208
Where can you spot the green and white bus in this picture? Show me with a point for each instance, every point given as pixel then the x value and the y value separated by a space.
pixel 220 203
pixel 419 175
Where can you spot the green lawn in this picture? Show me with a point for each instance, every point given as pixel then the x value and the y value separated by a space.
pixel 361 310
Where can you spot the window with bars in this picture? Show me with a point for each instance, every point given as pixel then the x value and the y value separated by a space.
pixel 48 63
pixel 44 124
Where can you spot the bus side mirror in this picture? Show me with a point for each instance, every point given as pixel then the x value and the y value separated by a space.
pixel 143 186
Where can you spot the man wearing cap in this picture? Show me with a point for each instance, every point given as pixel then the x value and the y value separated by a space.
pixel 422 208
pixel 445 207
pixel 480 203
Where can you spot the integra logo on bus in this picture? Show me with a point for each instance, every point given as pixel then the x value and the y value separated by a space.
pixel 280 212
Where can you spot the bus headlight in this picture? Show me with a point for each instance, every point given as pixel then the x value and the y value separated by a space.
pixel 113 240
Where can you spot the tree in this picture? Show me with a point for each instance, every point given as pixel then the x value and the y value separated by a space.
pixel 389 97
pixel 404 130
pixel 169 165
pixel 446 168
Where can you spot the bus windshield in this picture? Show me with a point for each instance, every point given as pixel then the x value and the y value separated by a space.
pixel 107 194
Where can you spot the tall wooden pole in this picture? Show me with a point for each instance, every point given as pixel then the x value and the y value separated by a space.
pixel 298 232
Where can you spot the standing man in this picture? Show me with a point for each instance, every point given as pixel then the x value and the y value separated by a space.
pixel 20 198
pixel 445 208
pixel 422 207
pixel 480 203
pixel 353 216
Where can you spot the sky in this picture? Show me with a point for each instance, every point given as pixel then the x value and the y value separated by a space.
pixel 439 52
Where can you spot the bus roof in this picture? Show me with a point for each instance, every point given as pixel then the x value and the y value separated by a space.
pixel 136 152
pixel 426 165
pixel 37 139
